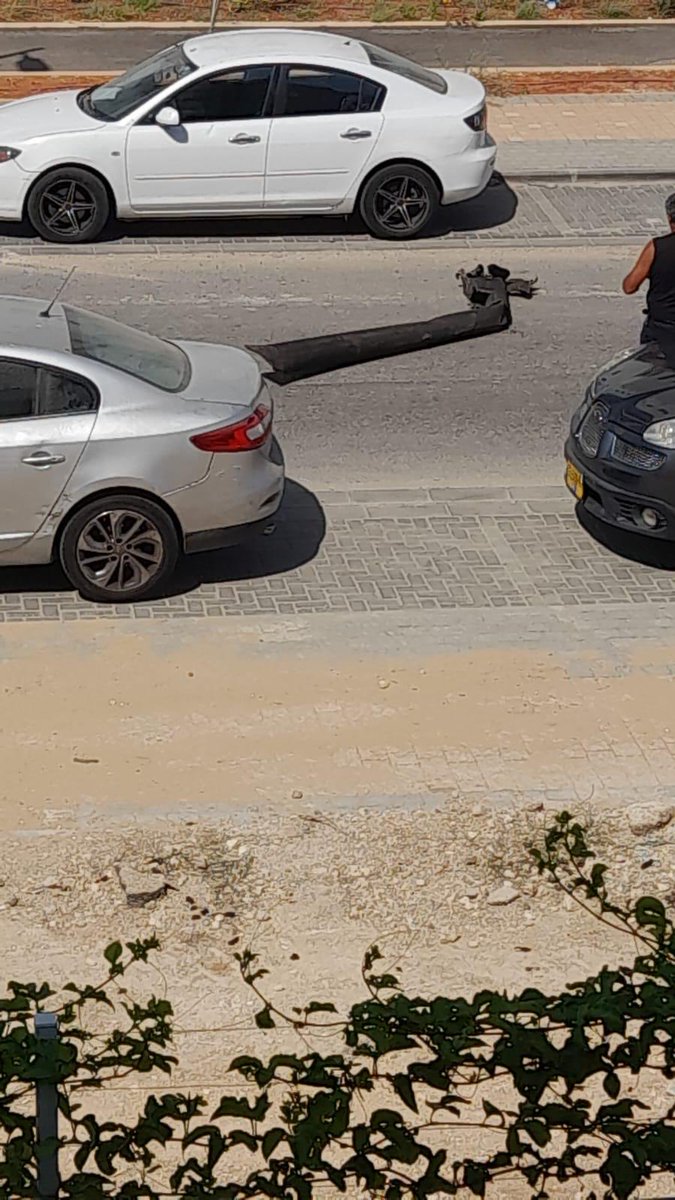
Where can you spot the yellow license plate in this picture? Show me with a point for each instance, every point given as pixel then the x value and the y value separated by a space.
pixel 574 480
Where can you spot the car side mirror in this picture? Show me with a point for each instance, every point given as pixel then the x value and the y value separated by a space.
pixel 167 116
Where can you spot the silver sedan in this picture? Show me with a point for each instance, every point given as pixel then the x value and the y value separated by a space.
pixel 120 451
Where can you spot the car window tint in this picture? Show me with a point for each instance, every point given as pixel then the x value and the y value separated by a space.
pixel 160 363
pixel 120 96
pixel 386 61
pixel 230 96
pixel 59 393
pixel 313 91
pixel 17 390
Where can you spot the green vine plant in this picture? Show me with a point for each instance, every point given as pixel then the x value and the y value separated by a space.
pixel 549 1088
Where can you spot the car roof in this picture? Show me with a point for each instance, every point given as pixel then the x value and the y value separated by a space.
pixel 22 324
pixel 212 49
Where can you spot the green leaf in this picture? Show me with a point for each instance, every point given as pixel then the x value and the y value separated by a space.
pixel 113 953
pixel 491 1110
pixel 271 1140
pixel 404 1088
pixel 264 1018
pixel 650 911
pixel 513 1143
pixel 538 1131
pixel 612 1084
pixel 475 1178
pixel 238 1106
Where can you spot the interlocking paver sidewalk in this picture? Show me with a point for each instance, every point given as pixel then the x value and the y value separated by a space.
pixel 433 550
pixel 588 134
pixel 625 117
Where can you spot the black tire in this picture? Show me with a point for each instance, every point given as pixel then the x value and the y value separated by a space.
pixel 142 571
pixel 69 205
pixel 399 201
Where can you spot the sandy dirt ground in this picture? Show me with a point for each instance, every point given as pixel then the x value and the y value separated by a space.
pixel 307 799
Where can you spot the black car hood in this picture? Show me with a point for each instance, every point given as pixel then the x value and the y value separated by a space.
pixel 641 387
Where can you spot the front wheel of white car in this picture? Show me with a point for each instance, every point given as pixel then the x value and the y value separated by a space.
pixel 69 205
pixel 119 549
pixel 399 201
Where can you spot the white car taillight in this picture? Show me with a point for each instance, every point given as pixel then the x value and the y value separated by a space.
pixel 478 120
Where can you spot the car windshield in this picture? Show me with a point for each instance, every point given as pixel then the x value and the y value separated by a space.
pixel 387 61
pixel 114 100
pixel 163 364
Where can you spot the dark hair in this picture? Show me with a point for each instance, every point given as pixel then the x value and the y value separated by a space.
pixel 670 207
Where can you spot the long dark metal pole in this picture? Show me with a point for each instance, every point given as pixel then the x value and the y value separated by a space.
pixel 47 1118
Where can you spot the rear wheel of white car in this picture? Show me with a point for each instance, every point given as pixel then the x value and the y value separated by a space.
pixel 69 205
pixel 119 549
pixel 399 201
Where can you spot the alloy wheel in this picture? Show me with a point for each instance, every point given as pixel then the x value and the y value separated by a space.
pixel 402 203
pixel 120 550
pixel 67 207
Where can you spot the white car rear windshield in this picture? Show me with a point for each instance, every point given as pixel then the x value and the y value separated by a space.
pixel 114 100
pixel 386 61
pixel 163 364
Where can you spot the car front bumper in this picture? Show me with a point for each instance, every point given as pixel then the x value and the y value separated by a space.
pixel 622 504
pixel 14 185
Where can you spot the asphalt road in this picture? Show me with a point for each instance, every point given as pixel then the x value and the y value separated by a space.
pixel 482 413
pixel 87 49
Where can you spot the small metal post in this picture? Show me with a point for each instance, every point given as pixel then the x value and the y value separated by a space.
pixel 47 1118
pixel 215 5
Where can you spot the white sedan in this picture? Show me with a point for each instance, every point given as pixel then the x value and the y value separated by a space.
pixel 249 123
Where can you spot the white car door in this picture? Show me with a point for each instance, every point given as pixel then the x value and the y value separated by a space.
pixel 46 419
pixel 326 125
pixel 213 161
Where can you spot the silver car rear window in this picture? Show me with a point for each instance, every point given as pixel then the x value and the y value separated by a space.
pixel 163 364
pixel 386 61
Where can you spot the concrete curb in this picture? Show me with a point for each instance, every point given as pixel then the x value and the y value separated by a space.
pixel 12 252
pixel 566 23
pixel 619 175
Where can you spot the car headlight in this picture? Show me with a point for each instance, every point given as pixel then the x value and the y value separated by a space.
pixel 7 153
pixel 662 433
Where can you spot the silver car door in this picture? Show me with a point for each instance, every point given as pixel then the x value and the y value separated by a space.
pixel 46 419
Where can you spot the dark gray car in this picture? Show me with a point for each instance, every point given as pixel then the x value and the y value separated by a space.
pixel 621 449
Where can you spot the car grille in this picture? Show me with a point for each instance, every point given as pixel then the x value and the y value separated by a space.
pixel 636 456
pixel 592 429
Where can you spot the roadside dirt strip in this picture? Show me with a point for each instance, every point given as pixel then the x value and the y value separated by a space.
pixel 500 81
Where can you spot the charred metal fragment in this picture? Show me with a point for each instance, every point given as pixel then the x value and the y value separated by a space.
pixel 488 293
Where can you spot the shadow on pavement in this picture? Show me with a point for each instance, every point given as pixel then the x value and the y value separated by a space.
pixel 300 530
pixel 634 547
pixel 496 206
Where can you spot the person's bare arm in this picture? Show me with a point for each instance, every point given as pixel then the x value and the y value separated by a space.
pixel 635 279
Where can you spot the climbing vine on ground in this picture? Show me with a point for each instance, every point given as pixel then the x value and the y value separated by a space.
pixel 547 1088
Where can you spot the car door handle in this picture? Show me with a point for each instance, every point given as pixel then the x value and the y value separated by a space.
pixel 244 139
pixel 42 458
pixel 353 135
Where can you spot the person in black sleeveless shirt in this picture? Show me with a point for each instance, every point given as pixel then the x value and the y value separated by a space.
pixel 657 264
